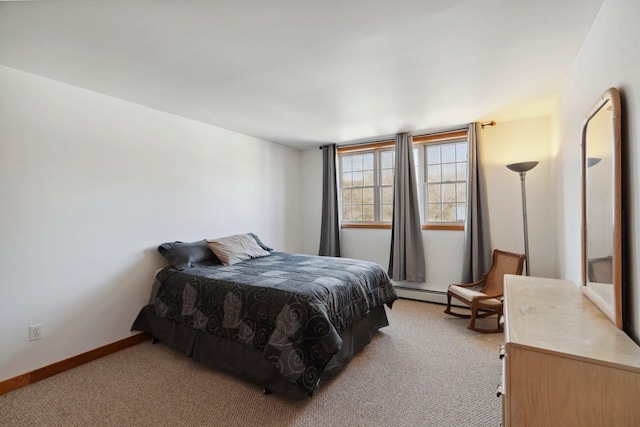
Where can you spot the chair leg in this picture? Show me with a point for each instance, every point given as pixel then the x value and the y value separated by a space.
pixel 472 322
pixel 448 309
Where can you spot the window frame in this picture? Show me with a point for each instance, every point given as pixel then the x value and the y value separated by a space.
pixel 419 142
pixel 423 142
pixel 376 149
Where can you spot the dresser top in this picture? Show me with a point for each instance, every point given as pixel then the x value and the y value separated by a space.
pixel 554 316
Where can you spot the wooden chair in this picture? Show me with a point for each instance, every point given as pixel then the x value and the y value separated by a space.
pixel 486 299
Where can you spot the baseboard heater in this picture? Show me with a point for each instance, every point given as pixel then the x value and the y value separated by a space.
pixel 438 297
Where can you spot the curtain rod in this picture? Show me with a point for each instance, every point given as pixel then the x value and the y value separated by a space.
pixel 362 142
pixel 450 130
pixel 392 136
pixel 420 133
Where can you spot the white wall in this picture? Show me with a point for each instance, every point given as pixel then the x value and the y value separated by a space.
pixel 610 57
pixel 90 185
pixel 513 142
pixel 505 143
pixel 311 211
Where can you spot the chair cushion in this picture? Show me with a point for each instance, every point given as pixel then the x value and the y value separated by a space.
pixel 468 294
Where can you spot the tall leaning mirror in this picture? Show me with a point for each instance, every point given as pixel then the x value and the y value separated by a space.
pixel 602 206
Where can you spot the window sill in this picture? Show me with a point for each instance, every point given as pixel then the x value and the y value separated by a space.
pixel 454 227
pixel 368 225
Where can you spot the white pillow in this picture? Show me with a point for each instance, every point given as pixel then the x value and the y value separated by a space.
pixel 236 248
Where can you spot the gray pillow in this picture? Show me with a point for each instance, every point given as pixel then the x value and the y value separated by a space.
pixel 184 255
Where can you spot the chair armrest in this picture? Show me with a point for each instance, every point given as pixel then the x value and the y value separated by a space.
pixel 483 297
pixel 471 285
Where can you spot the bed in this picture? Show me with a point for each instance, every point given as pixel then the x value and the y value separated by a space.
pixel 282 321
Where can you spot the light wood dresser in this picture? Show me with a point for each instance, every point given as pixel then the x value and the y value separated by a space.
pixel 564 363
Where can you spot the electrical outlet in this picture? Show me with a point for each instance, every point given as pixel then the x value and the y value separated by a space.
pixel 35 332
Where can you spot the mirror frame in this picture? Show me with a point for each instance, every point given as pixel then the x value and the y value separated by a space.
pixel 614 313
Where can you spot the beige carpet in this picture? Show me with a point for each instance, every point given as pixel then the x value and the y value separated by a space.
pixel 425 369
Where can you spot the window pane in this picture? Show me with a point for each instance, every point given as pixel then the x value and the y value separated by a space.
pixel 358 179
pixel 357 163
pixel 346 213
pixel 387 177
pixel 461 171
pixel 368 178
pixel 448 153
pixel 346 196
pixel 434 173
pixel 433 155
pixel 449 172
pixel 461 192
pixel 433 193
pixel 386 159
pixel 346 164
pixel 367 213
pixel 461 211
pixel 387 195
pixel 356 212
pixel 356 196
pixel 434 212
pixel 449 212
pixel 448 192
pixel 367 195
pixel 347 179
pixel 367 161
pixel 387 212
pixel 461 152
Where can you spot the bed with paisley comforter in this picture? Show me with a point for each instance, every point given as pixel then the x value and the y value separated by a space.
pixel 282 321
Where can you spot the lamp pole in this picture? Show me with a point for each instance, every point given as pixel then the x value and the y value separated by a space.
pixel 522 168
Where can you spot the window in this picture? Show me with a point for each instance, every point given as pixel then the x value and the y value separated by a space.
pixel 366 182
pixel 445 182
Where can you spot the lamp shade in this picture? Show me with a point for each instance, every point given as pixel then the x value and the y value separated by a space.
pixel 592 161
pixel 522 166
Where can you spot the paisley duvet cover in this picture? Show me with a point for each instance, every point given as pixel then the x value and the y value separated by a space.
pixel 289 307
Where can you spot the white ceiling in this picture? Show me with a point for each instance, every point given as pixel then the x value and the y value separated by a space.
pixel 304 72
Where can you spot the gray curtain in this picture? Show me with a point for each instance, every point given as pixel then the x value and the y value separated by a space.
pixel 330 226
pixel 407 252
pixel 477 238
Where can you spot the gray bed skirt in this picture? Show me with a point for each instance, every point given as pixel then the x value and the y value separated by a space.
pixel 249 363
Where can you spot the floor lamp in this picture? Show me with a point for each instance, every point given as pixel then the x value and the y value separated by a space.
pixel 522 168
